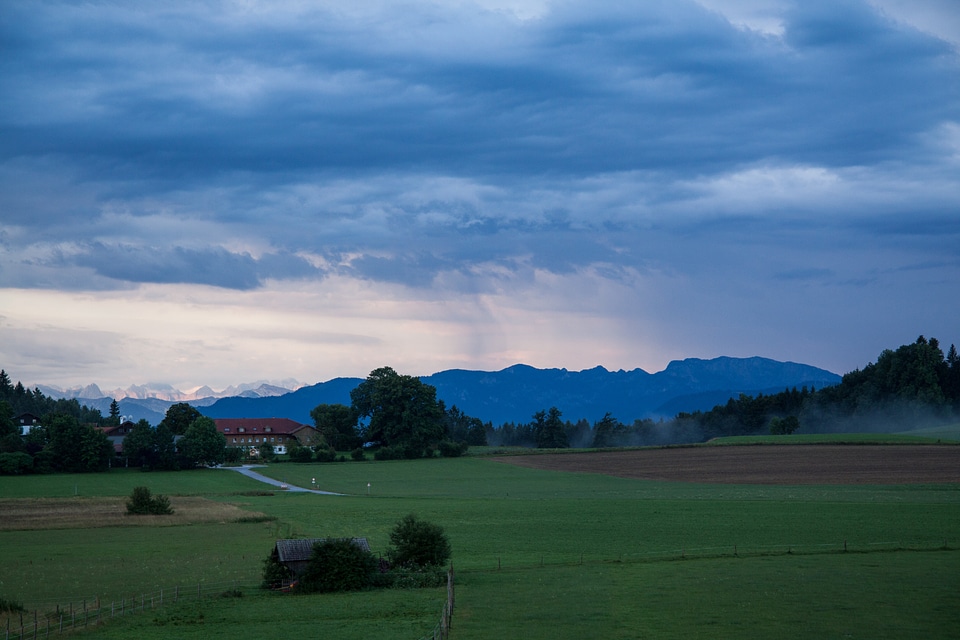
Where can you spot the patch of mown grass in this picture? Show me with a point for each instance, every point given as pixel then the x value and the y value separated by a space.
pixel 63 565
pixel 892 595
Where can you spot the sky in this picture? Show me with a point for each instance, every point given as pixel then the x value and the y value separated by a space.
pixel 217 192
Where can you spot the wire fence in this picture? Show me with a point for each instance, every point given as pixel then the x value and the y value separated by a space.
pixel 442 629
pixel 48 618
pixel 54 618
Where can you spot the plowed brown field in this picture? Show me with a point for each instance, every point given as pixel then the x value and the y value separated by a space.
pixel 768 464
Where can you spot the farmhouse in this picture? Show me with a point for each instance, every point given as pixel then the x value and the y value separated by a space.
pixel 247 433
pixel 117 433
pixel 27 422
pixel 295 554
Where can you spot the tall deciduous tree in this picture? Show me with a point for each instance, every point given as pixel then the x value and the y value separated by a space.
pixel 76 448
pixel 139 446
pixel 401 411
pixel 179 417
pixel 202 444
pixel 338 425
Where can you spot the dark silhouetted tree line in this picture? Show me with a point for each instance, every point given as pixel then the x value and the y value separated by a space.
pixel 914 386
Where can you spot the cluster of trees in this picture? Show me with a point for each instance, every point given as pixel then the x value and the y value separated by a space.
pixel 398 416
pixel 67 442
pixel 69 438
pixel 547 431
pixel 22 400
pixel 418 551
pixel 184 439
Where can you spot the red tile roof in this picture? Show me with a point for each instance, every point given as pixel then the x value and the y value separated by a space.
pixel 282 426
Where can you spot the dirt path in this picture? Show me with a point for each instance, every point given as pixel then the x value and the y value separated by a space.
pixel 248 470
pixel 769 464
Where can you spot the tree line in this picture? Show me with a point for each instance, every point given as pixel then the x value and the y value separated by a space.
pixel 70 438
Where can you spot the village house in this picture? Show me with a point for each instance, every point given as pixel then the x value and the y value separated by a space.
pixel 27 422
pixel 252 433
pixel 116 434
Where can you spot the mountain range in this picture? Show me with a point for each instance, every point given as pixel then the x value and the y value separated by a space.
pixel 513 394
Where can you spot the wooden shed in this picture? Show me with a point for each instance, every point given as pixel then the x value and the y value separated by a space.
pixel 295 554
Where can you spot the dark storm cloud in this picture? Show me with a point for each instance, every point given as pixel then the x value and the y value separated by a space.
pixel 216 267
pixel 249 121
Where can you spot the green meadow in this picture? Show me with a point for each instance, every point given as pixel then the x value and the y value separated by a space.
pixel 537 554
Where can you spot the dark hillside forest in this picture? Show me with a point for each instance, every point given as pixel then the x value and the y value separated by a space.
pixel 68 440
pixel 913 387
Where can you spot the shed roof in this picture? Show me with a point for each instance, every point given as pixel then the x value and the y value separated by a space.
pixel 299 550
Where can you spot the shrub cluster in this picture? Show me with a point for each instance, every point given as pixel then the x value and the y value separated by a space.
pixel 337 564
pixel 417 555
pixel 141 502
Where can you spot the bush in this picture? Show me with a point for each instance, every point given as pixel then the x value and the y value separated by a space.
pixel 232 455
pixel 326 454
pixel 142 503
pixel 417 543
pixel 337 564
pixel 419 578
pixel 15 464
pixel 274 573
pixel 301 454
pixel 450 449
pixel 357 455
pixel 388 453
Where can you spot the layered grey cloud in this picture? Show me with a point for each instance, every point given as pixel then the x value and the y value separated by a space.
pixel 724 148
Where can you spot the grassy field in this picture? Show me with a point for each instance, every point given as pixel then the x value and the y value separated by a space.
pixel 627 557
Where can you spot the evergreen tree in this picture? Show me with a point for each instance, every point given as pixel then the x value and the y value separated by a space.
pixel 549 430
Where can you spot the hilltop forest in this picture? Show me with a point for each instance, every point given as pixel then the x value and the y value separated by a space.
pixel 914 386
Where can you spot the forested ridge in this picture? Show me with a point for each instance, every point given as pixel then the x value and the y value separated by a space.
pixel 913 386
